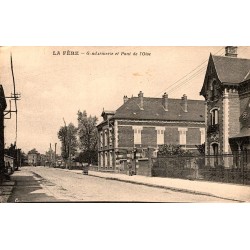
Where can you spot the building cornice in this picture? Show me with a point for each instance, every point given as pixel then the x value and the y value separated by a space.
pixel 160 121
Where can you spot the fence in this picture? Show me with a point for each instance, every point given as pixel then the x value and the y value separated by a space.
pixel 229 168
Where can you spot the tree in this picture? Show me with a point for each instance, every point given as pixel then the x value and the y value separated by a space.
pixel 88 136
pixel 33 151
pixel 68 137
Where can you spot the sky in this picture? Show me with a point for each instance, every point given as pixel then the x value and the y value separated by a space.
pixel 55 86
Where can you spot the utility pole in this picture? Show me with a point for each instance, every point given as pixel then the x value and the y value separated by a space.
pixel 50 155
pixel 55 154
pixel 68 143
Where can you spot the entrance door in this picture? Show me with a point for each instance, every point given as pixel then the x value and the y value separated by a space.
pixel 215 154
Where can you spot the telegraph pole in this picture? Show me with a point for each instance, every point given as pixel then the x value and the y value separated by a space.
pixel 50 155
pixel 55 154
pixel 68 143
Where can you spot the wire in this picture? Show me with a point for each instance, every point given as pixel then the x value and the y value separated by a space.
pixel 199 73
pixel 193 76
pixel 187 74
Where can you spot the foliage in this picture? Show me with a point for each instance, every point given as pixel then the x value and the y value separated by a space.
pixel 14 152
pixel 68 137
pixel 88 135
pixel 173 150
pixel 201 148
pixel 33 151
pixel 87 156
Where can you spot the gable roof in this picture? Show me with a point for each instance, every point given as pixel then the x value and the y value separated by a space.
pixel 231 69
pixel 154 110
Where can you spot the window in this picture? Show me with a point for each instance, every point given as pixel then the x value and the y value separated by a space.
pixel 182 136
pixel 101 140
pixel 101 160
pixel 214 116
pixel 160 135
pixel 214 90
pixel 105 138
pixel 110 159
pixel 105 159
pixel 110 138
pixel 137 134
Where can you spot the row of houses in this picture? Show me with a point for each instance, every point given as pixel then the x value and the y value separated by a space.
pixel 221 121
pixel 50 158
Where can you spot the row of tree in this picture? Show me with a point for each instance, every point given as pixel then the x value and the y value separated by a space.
pixel 79 143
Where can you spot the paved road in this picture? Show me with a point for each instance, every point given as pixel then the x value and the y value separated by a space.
pixel 43 184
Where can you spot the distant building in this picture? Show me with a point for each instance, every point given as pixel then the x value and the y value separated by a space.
pixel 34 158
pixel 226 90
pixel 143 122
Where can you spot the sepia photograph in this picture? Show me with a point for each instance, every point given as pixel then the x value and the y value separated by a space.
pixel 125 124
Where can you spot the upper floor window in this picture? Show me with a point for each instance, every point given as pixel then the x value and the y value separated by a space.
pixel 137 134
pixel 182 136
pixel 105 138
pixel 214 116
pixel 101 139
pixel 110 137
pixel 160 135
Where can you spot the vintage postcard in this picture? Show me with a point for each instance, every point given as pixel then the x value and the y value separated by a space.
pixel 125 124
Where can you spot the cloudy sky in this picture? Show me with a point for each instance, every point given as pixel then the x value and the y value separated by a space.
pixel 54 87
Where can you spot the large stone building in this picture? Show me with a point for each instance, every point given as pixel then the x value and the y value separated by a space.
pixel 226 90
pixel 143 122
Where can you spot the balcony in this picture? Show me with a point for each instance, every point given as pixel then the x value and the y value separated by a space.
pixel 213 128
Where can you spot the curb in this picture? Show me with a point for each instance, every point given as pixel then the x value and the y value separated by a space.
pixel 167 188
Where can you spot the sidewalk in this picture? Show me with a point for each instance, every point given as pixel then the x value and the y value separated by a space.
pixel 234 192
pixel 6 189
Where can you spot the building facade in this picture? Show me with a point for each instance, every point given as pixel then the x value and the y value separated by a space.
pixel 3 106
pixel 145 122
pixel 34 158
pixel 226 90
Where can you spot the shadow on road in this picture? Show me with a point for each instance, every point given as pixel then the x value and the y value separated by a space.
pixel 28 189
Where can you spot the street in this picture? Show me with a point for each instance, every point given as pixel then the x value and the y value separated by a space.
pixel 43 184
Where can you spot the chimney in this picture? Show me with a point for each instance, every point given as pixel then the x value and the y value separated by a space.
pixel 140 95
pixel 184 103
pixel 231 51
pixel 125 99
pixel 165 101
